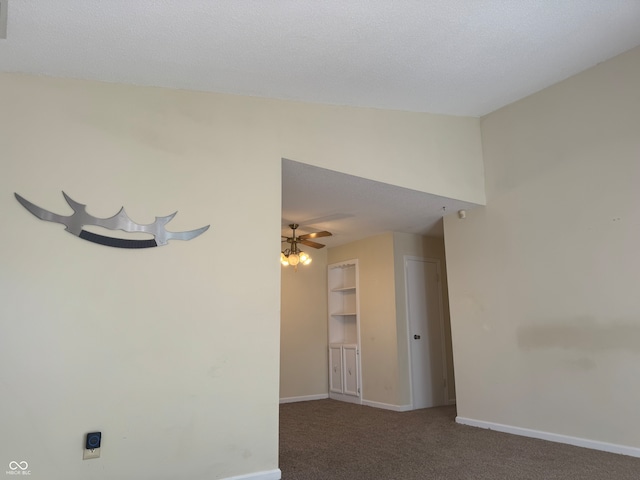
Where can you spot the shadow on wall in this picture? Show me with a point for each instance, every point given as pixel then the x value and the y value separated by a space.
pixel 582 334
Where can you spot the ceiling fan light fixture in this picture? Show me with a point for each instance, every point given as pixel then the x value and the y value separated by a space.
pixel 304 257
pixel 294 256
pixel 293 259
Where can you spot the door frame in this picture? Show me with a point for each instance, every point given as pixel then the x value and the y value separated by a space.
pixel 443 350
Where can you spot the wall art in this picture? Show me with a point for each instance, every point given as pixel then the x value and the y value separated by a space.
pixel 119 221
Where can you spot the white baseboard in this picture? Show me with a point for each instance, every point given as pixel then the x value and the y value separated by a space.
pixel 304 398
pixel 552 437
pixel 387 406
pixel 266 475
pixel 345 398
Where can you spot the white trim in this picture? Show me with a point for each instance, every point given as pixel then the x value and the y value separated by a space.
pixel 266 475
pixel 345 398
pixel 304 398
pixel 387 406
pixel 552 437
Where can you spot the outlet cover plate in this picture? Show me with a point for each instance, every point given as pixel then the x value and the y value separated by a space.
pixel 89 454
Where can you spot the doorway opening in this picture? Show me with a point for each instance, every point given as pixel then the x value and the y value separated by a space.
pixel 352 208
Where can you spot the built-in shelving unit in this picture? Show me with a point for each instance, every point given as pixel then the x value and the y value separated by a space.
pixel 344 332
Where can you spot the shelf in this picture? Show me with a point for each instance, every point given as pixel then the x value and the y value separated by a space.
pixel 344 289
pixel 344 331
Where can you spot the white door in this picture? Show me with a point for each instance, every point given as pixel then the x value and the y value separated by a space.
pixel 350 360
pixel 426 341
pixel 335 368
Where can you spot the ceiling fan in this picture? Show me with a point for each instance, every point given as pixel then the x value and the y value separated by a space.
pixel 293 255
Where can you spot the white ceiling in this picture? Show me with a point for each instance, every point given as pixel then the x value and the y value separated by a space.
pixel 459 57
pixel 352 208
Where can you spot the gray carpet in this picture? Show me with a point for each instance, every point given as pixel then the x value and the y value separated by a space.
pixel 331 440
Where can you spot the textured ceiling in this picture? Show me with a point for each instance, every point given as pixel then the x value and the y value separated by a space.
pixel 461 57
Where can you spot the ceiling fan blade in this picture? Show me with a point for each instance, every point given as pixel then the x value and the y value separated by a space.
pixel 309 243
pixel 315 235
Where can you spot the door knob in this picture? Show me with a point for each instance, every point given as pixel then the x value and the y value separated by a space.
pixel 417 337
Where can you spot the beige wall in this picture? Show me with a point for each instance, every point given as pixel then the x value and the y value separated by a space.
pixel 173 343
pixel 430 153
pixel 303 329
pixel 171 352
pixel 544 279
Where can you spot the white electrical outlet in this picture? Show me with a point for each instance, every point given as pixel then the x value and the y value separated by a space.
pixel 89 454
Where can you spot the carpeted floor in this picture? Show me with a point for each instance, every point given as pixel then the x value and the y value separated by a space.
pixel 330 440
